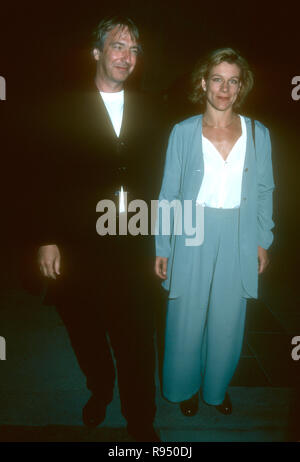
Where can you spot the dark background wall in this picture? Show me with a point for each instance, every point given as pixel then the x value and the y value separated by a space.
pixel 45 49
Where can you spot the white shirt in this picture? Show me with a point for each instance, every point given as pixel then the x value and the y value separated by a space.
pixel 114 103
pixel 222 181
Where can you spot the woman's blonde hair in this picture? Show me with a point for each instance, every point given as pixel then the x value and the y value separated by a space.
pixel 203 69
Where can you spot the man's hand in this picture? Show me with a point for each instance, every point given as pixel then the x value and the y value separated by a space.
pixel 263 259
pixel 161 264
pixel 49 261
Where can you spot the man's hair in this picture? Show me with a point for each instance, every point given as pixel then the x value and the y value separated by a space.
pixel 109 23
pixel 203 69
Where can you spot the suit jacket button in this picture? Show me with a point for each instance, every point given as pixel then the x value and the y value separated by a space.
pixel 246 170
pixel 244 198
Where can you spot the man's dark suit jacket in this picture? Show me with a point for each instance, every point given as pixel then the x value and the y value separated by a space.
pixel 82 161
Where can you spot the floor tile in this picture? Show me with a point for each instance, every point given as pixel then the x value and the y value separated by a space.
pixel 261 319
pixel 246 351
pixel 62 433
pixel 249 374
pixel 290 321
pixel 273 352
pixel 216 436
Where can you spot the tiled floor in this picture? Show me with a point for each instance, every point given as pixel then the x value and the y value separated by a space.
pixel 42 389
pixel 266 357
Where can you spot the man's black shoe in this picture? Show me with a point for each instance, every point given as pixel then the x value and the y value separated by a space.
pixel 143 433
pixel 93 413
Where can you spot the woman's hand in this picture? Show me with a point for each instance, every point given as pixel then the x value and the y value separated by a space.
pixel 263 259
pixel 161 264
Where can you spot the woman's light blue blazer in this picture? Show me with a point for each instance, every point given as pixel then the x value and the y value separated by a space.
pixel 183 175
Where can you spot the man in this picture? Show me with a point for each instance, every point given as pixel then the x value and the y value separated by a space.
pixel 104 144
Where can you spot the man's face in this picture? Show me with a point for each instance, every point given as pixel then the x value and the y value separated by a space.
pixel 117 59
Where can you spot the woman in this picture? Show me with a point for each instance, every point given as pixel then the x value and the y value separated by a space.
pixel 217 161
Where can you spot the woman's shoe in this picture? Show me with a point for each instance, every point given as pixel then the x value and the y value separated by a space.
pixel 189 407
pixel 226 406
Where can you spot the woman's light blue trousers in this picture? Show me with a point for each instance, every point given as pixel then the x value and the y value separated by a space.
pixel 205 326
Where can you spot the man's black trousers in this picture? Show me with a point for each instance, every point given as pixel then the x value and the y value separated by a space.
pixel 104 297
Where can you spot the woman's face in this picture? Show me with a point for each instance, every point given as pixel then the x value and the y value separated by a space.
pixel 222 86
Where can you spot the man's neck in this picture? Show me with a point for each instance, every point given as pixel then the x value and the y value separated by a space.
pixel 108 87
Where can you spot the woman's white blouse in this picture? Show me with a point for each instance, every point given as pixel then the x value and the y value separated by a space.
pixel 222 181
